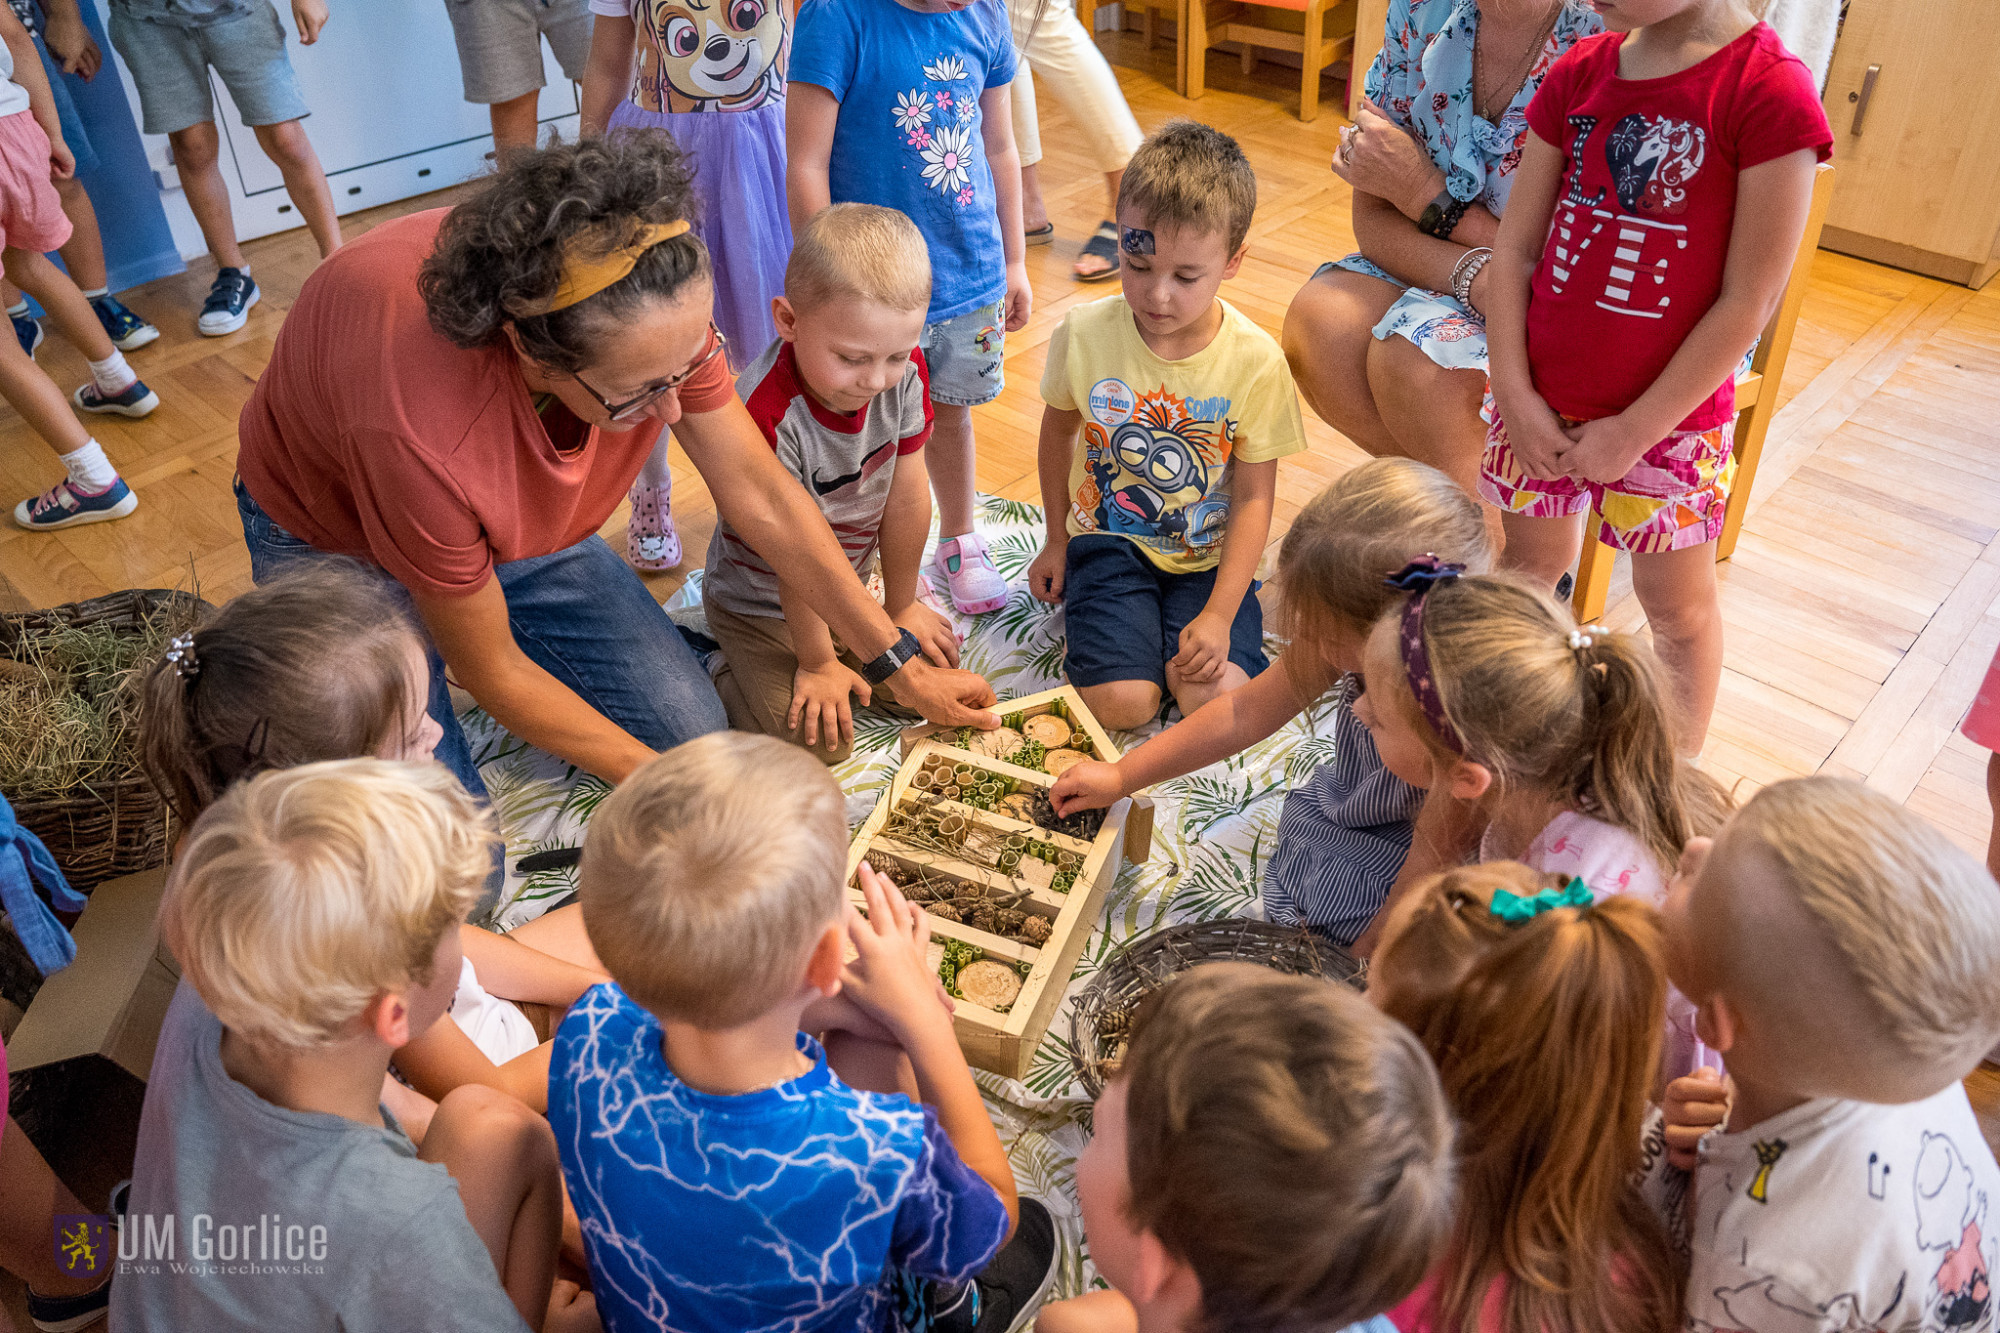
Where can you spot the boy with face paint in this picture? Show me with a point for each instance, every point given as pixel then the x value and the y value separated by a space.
pixel 1183 408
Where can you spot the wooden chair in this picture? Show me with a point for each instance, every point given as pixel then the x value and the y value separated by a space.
pixel 1756 401
pixel 1326 36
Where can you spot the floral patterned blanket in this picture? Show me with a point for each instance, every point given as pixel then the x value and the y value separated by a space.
pixel 1213 830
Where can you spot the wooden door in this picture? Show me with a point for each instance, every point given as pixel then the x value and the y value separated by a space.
pixel 1918 186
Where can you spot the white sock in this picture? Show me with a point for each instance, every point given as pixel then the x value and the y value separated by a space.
pixel 89 469
pixel 18 310
pixel 96 292
pixel 111 375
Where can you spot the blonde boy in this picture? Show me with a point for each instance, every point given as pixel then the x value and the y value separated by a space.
pixel 1158 515
pixel 1845 958
pixel 843 397
pixel 725 1177
pixel 1275 1153
pixel 315 915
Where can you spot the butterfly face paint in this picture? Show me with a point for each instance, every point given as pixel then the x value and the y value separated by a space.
pixel 1136 240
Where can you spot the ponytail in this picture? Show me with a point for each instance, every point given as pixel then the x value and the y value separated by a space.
pixel 315 664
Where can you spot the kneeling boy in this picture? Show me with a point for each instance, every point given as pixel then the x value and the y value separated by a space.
pixel 1156 525
pixel 725 1176
pixel 844 399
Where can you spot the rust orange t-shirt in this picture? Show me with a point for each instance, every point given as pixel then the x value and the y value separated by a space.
pixel 373 436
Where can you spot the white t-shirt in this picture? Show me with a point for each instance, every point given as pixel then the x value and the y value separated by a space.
pixel 1841 1215
pixel 497 1027
pixel 13 97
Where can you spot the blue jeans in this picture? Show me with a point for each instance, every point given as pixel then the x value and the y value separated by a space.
pixel 580 614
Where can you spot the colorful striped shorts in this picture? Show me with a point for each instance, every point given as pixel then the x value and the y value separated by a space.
pixel 1675 497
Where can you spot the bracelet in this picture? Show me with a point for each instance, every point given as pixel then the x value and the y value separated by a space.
pixel 1464 271
pixel 1440 216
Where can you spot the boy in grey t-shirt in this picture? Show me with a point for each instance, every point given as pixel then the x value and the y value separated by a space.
pixel 843 398
pixel 271 1189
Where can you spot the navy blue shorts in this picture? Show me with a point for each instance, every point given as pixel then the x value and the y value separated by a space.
pixel 1125 614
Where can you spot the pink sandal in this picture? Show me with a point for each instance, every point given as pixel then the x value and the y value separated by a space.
pixel 651 541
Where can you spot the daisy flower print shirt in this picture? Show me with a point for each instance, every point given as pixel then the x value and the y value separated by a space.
pixel 909 134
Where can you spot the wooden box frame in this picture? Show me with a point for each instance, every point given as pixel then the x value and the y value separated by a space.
pixel 1006 1043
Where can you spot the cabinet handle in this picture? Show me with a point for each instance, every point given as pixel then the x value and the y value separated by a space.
pixel 1861 99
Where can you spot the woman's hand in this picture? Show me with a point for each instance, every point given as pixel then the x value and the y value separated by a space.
pixel 1379 157
pixel 820 703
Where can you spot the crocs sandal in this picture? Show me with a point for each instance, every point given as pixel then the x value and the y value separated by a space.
pixel 1041 235
pixel 1102 245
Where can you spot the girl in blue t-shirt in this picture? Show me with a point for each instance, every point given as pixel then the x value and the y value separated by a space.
pixel 904 103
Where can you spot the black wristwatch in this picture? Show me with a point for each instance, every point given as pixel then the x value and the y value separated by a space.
pixel 1440 216
pixel 890 662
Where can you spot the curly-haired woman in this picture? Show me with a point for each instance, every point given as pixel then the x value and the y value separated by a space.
pixel 462 398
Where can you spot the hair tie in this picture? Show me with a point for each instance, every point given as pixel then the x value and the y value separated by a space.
pixel 1516 910
pixel 1418 578
pixel 591 262
pixel 1580 639
pixel 180 651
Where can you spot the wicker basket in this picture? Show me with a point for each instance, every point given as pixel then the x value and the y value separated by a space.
pixel 1099 1019
pixel 109 829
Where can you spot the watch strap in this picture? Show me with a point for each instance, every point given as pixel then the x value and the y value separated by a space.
pixel 892 660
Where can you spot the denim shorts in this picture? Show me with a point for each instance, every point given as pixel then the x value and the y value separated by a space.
pixel 170 65
pixel 964 354
pixel 1124 614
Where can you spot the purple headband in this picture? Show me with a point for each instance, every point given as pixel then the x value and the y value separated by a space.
pixel 1417 579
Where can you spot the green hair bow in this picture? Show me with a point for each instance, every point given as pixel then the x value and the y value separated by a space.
pixel 1514 909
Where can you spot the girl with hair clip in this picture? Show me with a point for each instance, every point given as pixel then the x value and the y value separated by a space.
pixel 1542 1013
pixel 1354 831
pixel 1558 740
pixel 321 663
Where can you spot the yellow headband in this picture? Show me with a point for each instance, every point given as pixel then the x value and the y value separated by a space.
pixel 585 272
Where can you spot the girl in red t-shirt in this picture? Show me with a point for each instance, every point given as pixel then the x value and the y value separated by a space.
pixel 1659 202
pixel 1542 1011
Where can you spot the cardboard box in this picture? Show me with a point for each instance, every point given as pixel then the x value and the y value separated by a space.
pixel 111 1001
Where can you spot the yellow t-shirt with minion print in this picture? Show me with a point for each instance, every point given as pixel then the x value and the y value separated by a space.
pixel 1161 438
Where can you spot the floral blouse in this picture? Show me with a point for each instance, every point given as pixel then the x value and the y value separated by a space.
pixel 1422 79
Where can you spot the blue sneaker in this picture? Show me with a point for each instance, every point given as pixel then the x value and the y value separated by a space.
pixel 137 400
pixel 64 506
pixel 228 304
pixel 29 332
pixel 126 330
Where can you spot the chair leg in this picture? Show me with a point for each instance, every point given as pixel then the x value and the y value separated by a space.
pixel 1593 575
pixel 1248 55
pixel 1749 450
pixel 1312 60
pixel 1193 39
pixel 1146 24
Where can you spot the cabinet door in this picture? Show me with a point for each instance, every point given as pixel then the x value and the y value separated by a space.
pixel 1921 173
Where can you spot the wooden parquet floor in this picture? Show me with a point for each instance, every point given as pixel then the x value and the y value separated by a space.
pixel 1861 604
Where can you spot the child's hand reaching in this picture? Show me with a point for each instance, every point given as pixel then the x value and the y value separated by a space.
pixel 1604 450
pixel 1204 653
pixel 1020 297
pixel 890 978
pixel 1090 785
pixel 310 16
pixel 819 703
pixel 1693 1106
pixel 1045 573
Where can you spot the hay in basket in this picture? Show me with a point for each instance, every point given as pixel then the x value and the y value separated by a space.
pixel 1100 1022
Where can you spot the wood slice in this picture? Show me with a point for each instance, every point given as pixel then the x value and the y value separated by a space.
pixel 990 985
pixel 996 744
pixel 1047 728
pixel 1056 761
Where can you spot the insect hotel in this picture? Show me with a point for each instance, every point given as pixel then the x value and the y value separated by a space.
pixel 967 831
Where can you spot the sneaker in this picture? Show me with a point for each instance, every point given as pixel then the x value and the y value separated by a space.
pixel 30 333
pixel 126 330
pixel 68 1314
pixel 651 540
pixel 1565 586
pixel 137 400
pixel 64 506
pixel 228 304
pixel 976 586
pixel 1013 1285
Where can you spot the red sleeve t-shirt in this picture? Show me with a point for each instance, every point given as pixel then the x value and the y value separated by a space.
pixel 373 436
pixel 1640 233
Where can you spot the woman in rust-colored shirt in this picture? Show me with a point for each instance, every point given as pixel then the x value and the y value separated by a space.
pixel 461 398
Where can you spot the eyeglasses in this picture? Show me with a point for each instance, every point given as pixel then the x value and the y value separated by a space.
pixel 646 398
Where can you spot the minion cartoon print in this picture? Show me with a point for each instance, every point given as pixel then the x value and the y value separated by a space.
pixel 1155 469
pixel 712 55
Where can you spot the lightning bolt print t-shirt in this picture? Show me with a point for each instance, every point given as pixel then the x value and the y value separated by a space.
pixel 1640 235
